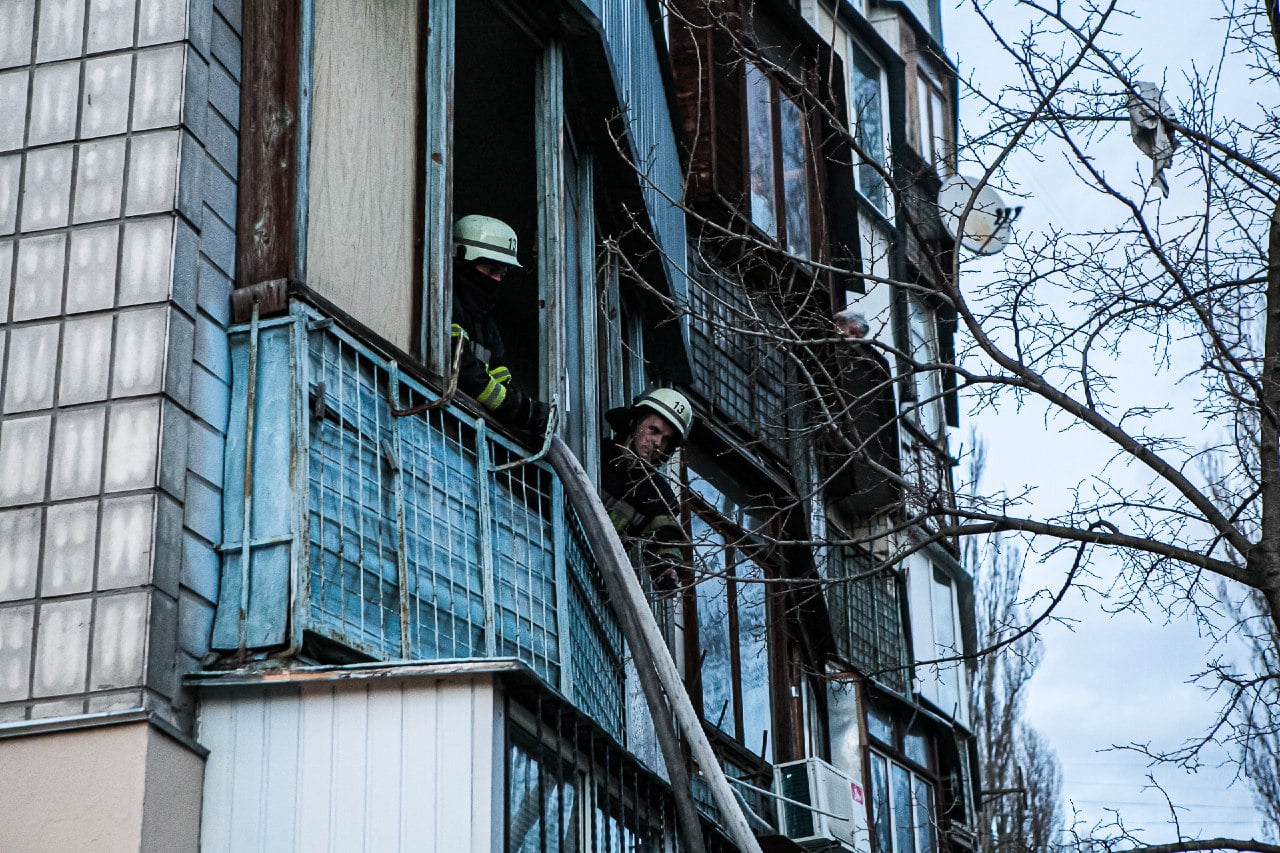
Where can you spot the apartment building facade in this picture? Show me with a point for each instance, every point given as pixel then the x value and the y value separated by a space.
pixel 268 582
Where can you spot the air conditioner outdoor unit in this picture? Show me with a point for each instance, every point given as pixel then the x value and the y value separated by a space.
pixel 837 813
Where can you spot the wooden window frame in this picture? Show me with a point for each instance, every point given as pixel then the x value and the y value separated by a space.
pixel 854 46
pixel 934 143
pixel 737 542
pixel 914 776
pixel 777 91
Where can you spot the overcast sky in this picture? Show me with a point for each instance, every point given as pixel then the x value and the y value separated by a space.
pixel 1114 679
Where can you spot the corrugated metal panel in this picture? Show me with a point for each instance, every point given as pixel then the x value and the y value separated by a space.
pixel 379 765
pixel 638 79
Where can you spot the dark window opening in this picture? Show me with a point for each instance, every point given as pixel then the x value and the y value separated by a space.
pixel 495 163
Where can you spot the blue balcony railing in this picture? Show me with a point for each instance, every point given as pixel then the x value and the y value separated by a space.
pixel 401 538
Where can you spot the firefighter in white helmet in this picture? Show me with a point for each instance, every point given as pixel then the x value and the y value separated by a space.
pixel 641 503
pixel 484 252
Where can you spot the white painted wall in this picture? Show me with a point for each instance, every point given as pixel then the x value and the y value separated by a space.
pixel 375 765
pixel 122 787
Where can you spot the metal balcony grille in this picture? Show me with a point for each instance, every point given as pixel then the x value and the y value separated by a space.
pixel 740 373
pixel 406 540
pixel 866 617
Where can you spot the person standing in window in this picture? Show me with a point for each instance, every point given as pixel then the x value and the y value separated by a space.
pixel 640 502
pixel 484 251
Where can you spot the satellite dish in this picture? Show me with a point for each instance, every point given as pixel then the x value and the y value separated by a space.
pixel 989 222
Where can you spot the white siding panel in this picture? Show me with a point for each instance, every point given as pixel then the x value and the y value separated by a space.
pixel 420 767
pixel 315 771
pixel 282 752
pixel 381 789
pixel 371 765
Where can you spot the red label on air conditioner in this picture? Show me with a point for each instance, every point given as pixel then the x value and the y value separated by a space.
pixel 857 792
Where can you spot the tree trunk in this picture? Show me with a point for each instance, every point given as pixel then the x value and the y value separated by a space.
pixel 1266 558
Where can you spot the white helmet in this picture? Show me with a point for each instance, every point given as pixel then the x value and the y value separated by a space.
pixel 485 238
pixel 667 403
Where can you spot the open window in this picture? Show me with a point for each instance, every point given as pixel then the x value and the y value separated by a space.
pixel 495 164
pixel 404 123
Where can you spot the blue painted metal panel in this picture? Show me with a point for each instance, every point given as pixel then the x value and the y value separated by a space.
pixel 265 621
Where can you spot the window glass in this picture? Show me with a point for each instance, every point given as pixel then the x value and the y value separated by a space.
pixel 842 727
pixel 713 626
pixel 795 177
pixel 944 640
pixel 902 811
pixel 760 151
pixel 709 492
pixel 614 833
pixel 924 816
pixel 927 408
pixel 880 803
pixel 732 508
pixel 924 135
pixel 936 115
pixel 753 651
pixel 541 807
pixel 879 724
pixel 932 136
pixel 916 746
pixel 904 836
pixel 866 112
pixel 633 357
pixel 732 617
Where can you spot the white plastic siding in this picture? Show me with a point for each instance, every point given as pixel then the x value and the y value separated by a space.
pixel 374 765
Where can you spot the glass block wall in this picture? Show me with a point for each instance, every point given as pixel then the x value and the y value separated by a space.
pixel 117 203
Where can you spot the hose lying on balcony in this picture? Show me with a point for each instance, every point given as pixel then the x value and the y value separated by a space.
pixel 652 659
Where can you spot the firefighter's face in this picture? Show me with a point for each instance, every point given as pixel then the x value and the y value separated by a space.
pixel 491 269
pixel 653 438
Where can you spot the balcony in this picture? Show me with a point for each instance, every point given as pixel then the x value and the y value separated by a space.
pixel 424 537
pixel 386 536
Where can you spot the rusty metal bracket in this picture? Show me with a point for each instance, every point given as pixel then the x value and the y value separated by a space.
pixel 451 388
pixel 546 440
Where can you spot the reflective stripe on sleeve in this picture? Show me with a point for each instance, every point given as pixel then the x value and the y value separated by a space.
pixel 493 394
pixel 500 374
